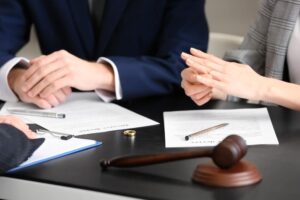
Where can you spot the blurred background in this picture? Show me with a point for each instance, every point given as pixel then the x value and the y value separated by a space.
pixel 231 16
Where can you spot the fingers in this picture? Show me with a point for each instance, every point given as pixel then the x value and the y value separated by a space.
pixel 194 62
pixel 191 89
pixel 191 85
pixel 55 86
pixel 212 58
pixel 36 63
pixel 203 62
pixel 47 76
pixel 198 67
pixel 218 76
pixel 58 97
pixel 61 96
pixel 19 124
pixel 67 91
pixel 42 103
pixel 40 76
pixel 198 92
pixel 53 100
pixel 186 56
pixel 41 68
pixel 211 72
pixel 203 66
pixel 202 99
pixel 213 83
pixel 189 74
pixel 29 133
pixel 46 81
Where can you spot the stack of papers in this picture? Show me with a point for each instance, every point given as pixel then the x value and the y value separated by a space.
pixel 254 125
pixel 85 113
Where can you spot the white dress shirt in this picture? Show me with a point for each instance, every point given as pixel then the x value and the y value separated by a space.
pixel 6 93
pixel 293 54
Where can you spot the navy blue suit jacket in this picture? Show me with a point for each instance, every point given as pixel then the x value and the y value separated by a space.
pixel 143 37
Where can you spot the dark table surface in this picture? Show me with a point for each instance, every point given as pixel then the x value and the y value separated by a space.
pixel 279 165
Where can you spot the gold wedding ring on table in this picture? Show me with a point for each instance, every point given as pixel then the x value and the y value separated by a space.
pixel 129 133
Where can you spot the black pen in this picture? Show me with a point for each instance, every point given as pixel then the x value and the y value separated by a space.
pixel 205 131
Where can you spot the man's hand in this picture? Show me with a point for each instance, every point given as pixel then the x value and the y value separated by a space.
pixel 49 74
pixel 198 92
pixel 16 80
pixel 19 124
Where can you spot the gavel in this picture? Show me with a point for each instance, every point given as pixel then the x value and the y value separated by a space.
pixel 228 172
pixel 226 154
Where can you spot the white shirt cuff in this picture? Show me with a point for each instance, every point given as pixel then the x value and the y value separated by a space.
pixel 105 95
pixel 6 93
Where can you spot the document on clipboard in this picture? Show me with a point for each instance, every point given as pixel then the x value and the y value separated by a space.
pixel 54 148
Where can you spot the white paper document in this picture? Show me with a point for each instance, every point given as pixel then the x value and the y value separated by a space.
pixel 254 125
pixel 85 114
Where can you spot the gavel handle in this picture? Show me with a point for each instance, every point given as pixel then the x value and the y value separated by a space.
pixel 140 160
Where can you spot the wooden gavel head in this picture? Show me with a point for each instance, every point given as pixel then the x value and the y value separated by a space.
pixel 229 152
pixel 231 172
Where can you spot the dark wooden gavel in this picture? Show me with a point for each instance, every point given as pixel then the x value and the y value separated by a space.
pixel 228 170
pixel 225 155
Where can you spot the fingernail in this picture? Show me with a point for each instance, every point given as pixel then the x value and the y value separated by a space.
pixel 195 50
pixel 184 55
pixel 192 49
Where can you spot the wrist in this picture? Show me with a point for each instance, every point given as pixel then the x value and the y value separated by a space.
pixel 264 88
pixel 106 82
pixel 13 76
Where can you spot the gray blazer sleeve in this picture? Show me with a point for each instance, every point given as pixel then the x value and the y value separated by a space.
pixel 253 49
pixel 15 147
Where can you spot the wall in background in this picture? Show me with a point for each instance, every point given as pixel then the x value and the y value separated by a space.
pixel 231 16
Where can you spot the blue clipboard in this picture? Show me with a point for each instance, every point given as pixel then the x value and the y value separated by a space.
pixel 54 148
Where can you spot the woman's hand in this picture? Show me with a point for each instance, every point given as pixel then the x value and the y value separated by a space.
pixel 228 77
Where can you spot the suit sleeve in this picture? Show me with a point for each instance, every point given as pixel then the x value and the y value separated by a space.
pixel 15 147
pixel 14 29
pixel 184 26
